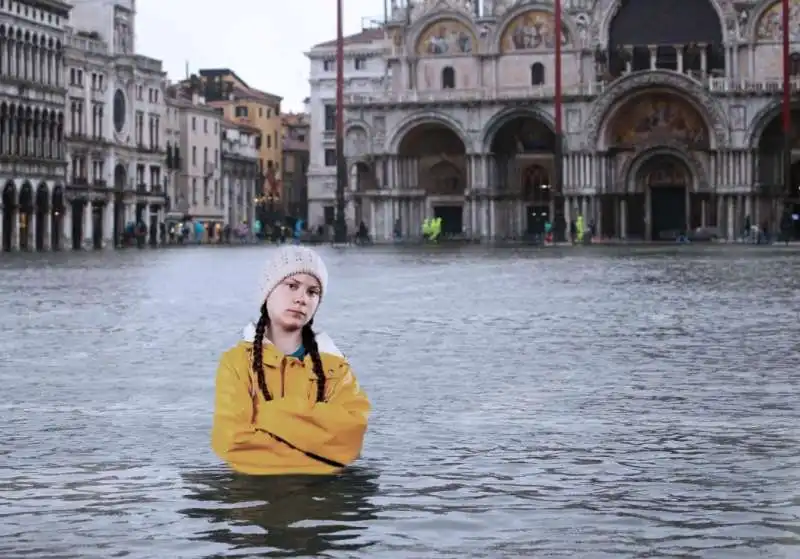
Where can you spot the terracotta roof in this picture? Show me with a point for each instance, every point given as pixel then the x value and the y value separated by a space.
pixel 363 38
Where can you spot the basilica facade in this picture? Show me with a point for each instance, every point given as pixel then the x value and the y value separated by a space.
pixel 671 119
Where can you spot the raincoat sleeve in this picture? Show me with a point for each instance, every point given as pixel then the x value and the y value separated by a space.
pixel 234 437
pixel 331 432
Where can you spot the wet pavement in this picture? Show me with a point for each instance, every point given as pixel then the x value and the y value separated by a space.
pixel 591 402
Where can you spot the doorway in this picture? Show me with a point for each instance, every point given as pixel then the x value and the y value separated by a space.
pixel 452 219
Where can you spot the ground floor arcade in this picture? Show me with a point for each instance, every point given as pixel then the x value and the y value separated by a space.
pixel 51 218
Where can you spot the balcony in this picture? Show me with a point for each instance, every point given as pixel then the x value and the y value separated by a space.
pixel 714 84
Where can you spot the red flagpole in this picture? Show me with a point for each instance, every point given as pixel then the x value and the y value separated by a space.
pixel 787 103
pixel 558 187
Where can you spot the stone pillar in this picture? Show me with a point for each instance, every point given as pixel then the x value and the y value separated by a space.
pixel 623 219
pixel 648 214
pixel 703 214
pixel 680 54
pixel 653 57
pixel 88 228
pixel 32 232
pixel 48 231
pixel 568 217
pixel 108 224
pixel 703 59
pixel 66 226
pixel 15 231
pixel 731 233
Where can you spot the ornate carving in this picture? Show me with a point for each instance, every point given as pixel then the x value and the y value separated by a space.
pixel 658 116
pixel 769 26
pixel 634 160
pixel 425 7
pixel 357 142
pixel 445 38
pixel 654 79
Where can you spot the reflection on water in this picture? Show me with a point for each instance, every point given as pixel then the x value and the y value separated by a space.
pixel 292 515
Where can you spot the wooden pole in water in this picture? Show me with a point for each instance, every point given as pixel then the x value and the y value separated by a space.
pixel 558 187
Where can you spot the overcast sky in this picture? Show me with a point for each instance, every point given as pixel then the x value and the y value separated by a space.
pixel 263 41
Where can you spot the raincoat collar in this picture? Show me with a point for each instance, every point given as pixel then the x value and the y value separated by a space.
pixel 324 341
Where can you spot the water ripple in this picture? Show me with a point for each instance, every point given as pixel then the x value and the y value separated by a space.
pixel 540 403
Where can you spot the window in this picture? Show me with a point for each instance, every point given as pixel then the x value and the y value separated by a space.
pixel 330 118
pixel 794 64
pixel 330 215
pixel 330 158
pixel 448 78
pixel 328 65
pixel 360 63
pixel 240 111
pixel 537 74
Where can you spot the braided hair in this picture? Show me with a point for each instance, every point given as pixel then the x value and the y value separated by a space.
pixel 309 343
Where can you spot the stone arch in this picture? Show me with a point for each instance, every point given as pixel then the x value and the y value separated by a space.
pixel 603 29
pixel 505 116
pixel 120 176
pixel 10 195
pixel 26 198
pixel 356 141
pixel 767 139
pixel 648 151
pixel 765 25
pixel 42 198
pixel 58 204
pixel 607 105
pixel 362 176
pixel 532 10
pixel 448 21
pixel 426 118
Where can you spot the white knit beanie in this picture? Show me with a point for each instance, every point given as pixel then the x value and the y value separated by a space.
pixel 291 260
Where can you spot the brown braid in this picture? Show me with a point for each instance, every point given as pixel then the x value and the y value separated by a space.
pixel 258 352
pixel 310 345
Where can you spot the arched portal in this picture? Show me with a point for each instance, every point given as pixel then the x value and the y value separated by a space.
pixel 57 218
pixel 120 178
pixel 26 211
pixel 433 159
pixel 650 137
pixel 779 199
pixel 523 168
pixel 9 215
pixel 679 43
pixel 665 181
pixel 42 212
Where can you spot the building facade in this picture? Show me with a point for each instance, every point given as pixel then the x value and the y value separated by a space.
pixel 669 122
pixel 116 148
pixel 365 77
pixel 294 186
pixel 199 179
pixel 240 173
pixel 32 99
pixel 249 106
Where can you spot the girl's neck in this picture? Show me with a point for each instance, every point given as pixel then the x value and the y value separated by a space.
pixel 286 342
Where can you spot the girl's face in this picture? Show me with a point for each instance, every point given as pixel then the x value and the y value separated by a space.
pixel 293 303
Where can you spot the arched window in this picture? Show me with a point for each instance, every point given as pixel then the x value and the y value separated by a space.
pixel 537 74
pixel 448 78
pixel 794 64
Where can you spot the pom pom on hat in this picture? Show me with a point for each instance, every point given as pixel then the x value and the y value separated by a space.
pixel 291 260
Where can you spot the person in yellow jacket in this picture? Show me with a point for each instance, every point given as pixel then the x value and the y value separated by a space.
pixel 287 401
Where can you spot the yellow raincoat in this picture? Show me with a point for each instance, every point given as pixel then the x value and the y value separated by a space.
pixel 293 433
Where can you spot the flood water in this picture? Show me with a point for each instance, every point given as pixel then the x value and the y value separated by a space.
pixel 578 402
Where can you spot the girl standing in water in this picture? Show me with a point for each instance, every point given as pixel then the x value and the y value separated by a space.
pixel 286 399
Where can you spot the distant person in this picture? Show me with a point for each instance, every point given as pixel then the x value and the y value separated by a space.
pixel 286 399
